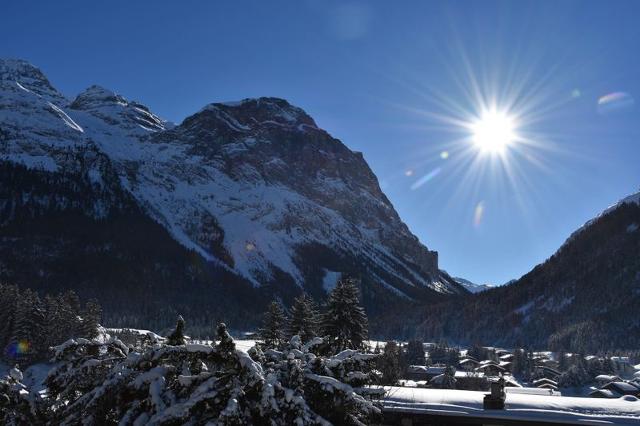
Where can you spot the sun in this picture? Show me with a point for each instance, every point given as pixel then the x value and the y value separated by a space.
pixel 494 131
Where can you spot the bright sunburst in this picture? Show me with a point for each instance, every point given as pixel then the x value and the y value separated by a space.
pixel 493 131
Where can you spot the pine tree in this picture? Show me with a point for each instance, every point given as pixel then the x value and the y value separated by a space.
pixel 303 320
pixel 449 379
pixel 345 321
pixel 415 352
pixel 91 319
pixel 8 302
pixel 272 332
pixel 28 328
pixel 177 337
pixel 389 363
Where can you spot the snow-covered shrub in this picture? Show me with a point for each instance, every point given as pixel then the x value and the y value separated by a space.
pixel 81 366
pixel 17 405
pixel 102 381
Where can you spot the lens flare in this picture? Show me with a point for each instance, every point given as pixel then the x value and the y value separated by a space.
pixel 614 102
pixel 16 349
pixel 426 178
pixel 478 214
pixel 444 155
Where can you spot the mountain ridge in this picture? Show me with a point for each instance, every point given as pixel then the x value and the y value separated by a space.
pixel 584 298
pixel 253 187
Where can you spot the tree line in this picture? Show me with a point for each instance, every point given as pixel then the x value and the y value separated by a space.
pixel 343 322
pixel 30 325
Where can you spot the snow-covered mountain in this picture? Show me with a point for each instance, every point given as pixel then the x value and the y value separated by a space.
pixel 584 298
pixel 471 286
pixel 254 189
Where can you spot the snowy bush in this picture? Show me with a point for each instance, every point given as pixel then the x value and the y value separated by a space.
pixel 103 382
pixel 17 405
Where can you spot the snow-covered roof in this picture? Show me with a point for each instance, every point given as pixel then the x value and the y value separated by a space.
pixel 607 378
pixel 523 407
pixel 622 387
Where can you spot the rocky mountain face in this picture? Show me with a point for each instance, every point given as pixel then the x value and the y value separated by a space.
pixel 585 298
pixel 239 203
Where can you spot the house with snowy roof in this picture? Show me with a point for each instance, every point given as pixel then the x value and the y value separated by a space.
pixel 547 372
pixel 616 390
pixel 622 365
pixel 423 372
pixel 603 379
pixel 468 364
pixel 545 383
pixel 490 368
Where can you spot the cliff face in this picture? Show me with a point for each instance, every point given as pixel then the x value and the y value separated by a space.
pixel 253 192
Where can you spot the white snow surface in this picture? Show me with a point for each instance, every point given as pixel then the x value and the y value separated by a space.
pixel 523 407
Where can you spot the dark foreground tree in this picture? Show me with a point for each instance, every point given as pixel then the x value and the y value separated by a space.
pixel 272 332
pixel 345 322
pixel 303 319
pixel 177 337
pixel 390 364
pixel 415 352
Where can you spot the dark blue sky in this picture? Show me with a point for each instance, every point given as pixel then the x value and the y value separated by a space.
pixel 397 81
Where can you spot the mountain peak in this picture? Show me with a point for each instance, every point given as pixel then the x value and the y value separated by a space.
pixel 263 110
pixel 115 108
pixel 96 95
pixel 29 78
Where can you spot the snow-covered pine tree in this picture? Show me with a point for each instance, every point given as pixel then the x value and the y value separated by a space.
pixel 16 403
pixel 91 316
pixel 81 366
pixel 177 337
pixel 303 318
pixel 272 332
pixel 345 322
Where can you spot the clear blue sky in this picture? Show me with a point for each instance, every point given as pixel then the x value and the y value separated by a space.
pixel 387 78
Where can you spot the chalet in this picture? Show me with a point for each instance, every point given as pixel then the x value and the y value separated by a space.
pixel 507 365
pixel 438 380
pixel 603 393
pixel 502 352
pixel 616 390
pixel 470 380
pixel 490 369
pixel 547 372
pixel 511 382
pixel 468 364
pixel 622 365
pixel 545 383
pixel 422 372
pixel 549 363
pixel 603 379
pixel 622 388
pixel 507 357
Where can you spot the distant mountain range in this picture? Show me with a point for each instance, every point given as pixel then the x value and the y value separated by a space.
pixel 584 298
pixel 472 287
pixel 213 217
